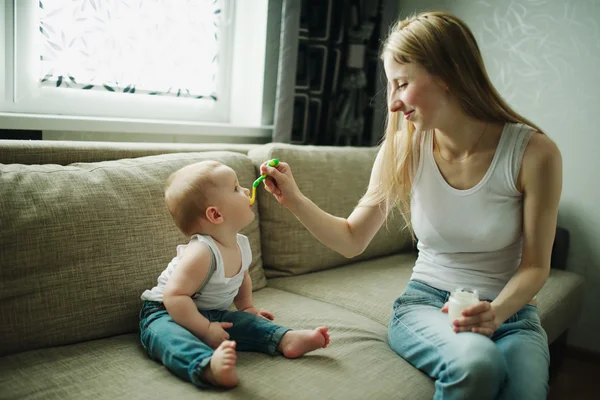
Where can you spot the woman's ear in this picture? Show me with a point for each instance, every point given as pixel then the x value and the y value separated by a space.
pixel 443 85
pixel 213 215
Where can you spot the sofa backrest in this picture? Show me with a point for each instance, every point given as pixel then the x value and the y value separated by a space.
pixel 334 178
pixel 68 152
pixel 81 242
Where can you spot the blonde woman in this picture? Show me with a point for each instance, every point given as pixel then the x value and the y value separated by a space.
pixel 479 185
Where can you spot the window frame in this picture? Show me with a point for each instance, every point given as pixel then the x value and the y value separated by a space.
pixel 238 110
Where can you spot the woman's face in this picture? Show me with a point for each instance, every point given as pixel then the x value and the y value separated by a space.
pixel 417 95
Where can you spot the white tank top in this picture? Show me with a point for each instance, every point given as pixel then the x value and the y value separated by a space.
pixel 216 294
pixel 470 238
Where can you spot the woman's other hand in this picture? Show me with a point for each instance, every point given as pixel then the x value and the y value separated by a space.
pixel 479 318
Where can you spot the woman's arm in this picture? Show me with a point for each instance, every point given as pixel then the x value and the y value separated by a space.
pixel 348 236
pixel 541 184
pixel 540 181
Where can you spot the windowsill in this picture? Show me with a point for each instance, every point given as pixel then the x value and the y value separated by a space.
pixel 45 122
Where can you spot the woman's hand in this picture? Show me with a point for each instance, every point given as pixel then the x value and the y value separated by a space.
pixel 479 318
pixel 280 183
pixel 260 312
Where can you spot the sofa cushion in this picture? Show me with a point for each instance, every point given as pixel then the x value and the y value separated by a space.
pixel 370 288
pixel 358 364
pixel 288 247
pixel 80 243
pixel 560 302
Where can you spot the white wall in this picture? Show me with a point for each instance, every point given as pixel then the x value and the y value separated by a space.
pixel 544 58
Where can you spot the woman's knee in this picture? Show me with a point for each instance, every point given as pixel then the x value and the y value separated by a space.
pixel 480 365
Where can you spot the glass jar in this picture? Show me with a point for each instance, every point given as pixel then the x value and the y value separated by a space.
pixel 459 299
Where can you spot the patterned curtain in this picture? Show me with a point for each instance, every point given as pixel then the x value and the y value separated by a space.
pixel 131 46
pixel 336 72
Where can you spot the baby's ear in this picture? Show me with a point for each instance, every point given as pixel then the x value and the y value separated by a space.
pixel 213 215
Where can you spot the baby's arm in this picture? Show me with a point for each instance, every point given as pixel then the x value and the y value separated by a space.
pixel 189 275
pixel 243 300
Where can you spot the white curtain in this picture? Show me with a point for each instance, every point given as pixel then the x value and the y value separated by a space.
pixel 131 46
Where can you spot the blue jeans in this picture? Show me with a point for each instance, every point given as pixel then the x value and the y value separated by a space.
pixel 513 364
pixel 186 355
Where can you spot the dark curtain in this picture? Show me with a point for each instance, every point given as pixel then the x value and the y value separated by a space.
pixel 336 72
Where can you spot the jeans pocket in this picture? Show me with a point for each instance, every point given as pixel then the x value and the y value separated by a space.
pixel 530 317
pixel 409 301
pixel 526 318
pixel 411 298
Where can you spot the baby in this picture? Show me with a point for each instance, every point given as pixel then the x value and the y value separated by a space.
pixel 184 321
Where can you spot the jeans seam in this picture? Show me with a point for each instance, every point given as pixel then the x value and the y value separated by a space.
pixel 412 331
pixel 431 344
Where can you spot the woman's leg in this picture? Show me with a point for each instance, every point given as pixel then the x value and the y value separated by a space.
pixel 524 345
pixel 464 365
pixel 173 345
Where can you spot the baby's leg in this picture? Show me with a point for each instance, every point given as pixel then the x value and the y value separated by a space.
pixel 185 355
pixel 254 333
pixel 296 343
pixel 221 371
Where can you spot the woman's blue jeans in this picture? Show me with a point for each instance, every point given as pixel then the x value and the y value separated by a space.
pixel 512 364
pixel 186 355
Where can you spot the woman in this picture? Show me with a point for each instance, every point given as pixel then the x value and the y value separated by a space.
pixel 479 185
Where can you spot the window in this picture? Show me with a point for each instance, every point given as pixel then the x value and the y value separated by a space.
pixel 151 47
pixel 129 65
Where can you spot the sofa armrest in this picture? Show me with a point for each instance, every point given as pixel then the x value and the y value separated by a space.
pixel 560 249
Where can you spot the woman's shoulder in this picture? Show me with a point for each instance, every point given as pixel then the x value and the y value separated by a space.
pixel 541 149
pixel 542 159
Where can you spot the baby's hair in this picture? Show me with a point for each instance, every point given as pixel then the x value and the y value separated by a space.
pixel 187 193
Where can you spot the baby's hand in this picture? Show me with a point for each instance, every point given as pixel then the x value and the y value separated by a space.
pixel 216 333
pixel 261 313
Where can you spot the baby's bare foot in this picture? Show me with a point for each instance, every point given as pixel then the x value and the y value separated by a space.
pixel 221 370
pixel 296 343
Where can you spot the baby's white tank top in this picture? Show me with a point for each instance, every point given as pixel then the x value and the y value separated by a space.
pixel 216 294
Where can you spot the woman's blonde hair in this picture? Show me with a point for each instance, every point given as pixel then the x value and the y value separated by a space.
pixel 443 45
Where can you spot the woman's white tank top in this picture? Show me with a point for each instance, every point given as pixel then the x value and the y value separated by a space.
pixel 470 238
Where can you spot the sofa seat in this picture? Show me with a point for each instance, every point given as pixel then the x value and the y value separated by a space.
pixel 118 367
pixel 369 288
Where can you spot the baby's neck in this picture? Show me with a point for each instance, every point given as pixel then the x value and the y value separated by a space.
pixel 226 238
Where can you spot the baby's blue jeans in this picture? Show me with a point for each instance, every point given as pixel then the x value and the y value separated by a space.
pixel 186 355
pixel 512 364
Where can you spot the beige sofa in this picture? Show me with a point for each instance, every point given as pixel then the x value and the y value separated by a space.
pixel 84 231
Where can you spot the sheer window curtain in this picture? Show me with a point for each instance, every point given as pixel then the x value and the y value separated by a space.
pixel 123 46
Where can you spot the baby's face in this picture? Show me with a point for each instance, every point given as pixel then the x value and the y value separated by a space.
pixel 232 200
